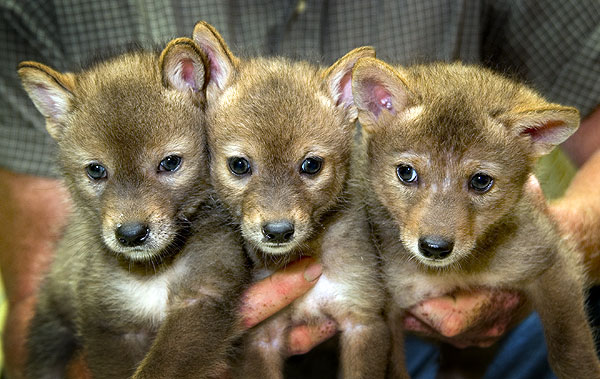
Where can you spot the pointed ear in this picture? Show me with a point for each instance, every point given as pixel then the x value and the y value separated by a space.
pixel 183 66
pixel 339 75
pixel 378 90
pixel 50 91
pixel 546 126
pixel 221 60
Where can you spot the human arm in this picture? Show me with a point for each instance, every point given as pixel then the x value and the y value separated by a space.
pixel 578 212
pixel 275 292
pixel 33 211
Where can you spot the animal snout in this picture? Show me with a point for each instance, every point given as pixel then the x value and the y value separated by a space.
pixel 132 234
pixel 435 247
pixel 278 231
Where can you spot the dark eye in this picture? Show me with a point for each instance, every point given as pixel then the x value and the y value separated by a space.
pixel 170 163
pixel 239 166
pixel 96 171
pixel 481 182
pixel 407 174
pixel 311 166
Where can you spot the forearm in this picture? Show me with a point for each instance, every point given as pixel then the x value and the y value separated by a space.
pixel 32 213
pixel 578 211
pixel 578 214
pixel 586 140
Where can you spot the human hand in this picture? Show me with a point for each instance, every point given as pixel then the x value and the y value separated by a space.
pixel 270 295
pixel 466 318
pixel 260 301
pixel 577 213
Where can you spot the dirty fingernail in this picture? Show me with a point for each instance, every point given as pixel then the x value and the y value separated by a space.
pixel 313 271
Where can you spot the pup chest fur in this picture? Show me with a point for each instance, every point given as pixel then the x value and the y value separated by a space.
pixel 328 298
pixel 147 299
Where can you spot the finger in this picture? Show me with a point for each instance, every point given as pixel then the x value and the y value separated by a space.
pixel 271 294
pixel 303 338
pixel 495 331
pixel 484 339
pixel 485 343
pixel 472 318
pixel 415 325
pixel 451 315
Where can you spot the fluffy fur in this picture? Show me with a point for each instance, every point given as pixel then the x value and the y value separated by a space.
pixel 275 118
pixel 146 256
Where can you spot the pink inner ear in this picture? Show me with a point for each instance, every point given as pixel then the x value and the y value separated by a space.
pixel 213 62
pixel 379 98
pixel 187 73
pixel 215 70
pixel 346 90
pixel 544 132
pixel 49 98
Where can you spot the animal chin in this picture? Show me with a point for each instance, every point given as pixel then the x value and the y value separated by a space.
pixel 142 253
pixel 412 246
pixel 139 255
pixel 276 248
pixel 435 263
pixel 446 262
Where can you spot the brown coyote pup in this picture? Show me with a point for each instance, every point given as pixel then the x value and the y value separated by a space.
pixel 448 149
pixel 280 136
pixel 145 253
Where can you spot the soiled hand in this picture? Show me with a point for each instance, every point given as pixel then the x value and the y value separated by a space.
pixel 274 293
pixel 465 318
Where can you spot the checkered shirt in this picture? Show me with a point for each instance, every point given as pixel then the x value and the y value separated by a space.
pixel 552 45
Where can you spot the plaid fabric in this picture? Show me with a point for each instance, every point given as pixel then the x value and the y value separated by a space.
pixel 553 45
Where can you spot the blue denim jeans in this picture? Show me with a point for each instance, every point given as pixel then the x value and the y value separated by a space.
pixel 521 355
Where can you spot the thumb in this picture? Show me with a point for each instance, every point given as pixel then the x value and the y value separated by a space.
pixel 268 296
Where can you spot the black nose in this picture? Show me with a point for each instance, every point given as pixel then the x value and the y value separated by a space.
pixel 132 234
pixel 435 247
pixel 278 232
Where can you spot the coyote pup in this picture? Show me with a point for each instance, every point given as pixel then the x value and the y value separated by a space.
pixel 280 136
pixel 145 254
pixel 448 150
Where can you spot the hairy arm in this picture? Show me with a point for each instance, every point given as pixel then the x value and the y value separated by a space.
pixel 578 211
pixel 33 211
